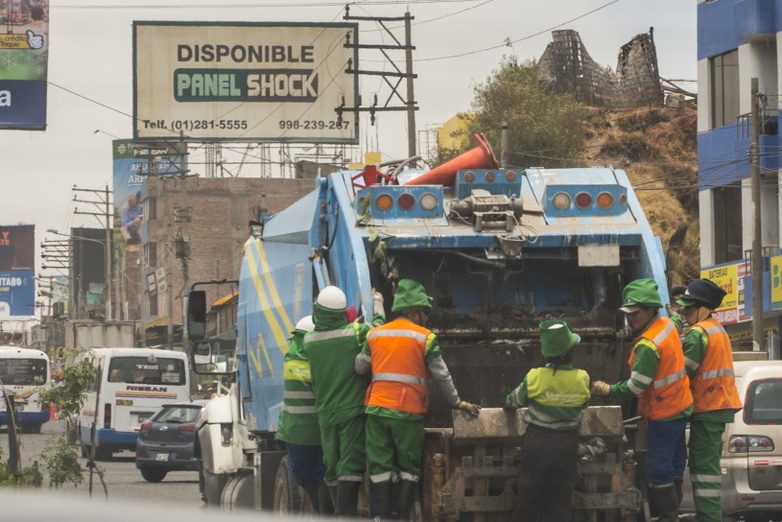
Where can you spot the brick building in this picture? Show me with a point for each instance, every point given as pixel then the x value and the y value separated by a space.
pixel 194 230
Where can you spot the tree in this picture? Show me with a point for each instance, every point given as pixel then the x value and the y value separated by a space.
pixel 544 126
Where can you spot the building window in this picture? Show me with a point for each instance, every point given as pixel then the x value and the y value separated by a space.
pixel 153 311
pixel 724 89
pixel 728 244
pixel 150 249
pixel 151 208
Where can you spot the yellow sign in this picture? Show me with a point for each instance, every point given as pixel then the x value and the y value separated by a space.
pixel 776 281
pixel 726 277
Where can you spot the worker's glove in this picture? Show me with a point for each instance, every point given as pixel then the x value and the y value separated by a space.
pixel 472 409
pixel 600 388
pixel 377 303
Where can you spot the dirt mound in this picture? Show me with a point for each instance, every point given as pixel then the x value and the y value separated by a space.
pixel 657 147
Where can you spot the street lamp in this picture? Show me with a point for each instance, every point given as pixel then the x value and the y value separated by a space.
pixel 106 271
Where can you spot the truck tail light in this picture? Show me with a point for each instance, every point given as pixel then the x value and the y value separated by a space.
pixel 406 201
pixel 428 201
pixel 384 202
pixel 561 201
pixel 107 415
pixel 605 200
pixel 583 200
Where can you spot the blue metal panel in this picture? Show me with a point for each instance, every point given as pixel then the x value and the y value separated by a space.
pixel 722 158
pixel 716 29
pixel 754 17
pixel 274 293
pixel 497 181
pixel 769 151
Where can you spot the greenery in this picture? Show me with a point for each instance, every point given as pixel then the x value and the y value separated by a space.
pixel 62 463
pixel 544 126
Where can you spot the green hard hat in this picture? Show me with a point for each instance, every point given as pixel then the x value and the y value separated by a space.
pixel 410 295
pixel 556 338
pixel 641 292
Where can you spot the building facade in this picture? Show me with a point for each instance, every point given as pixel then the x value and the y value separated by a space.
pixel 739 40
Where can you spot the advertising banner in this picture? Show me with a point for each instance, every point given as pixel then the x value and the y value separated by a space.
pixel 236 81
pixel 17 247
pixel 731 279
pixel 24 51
pixel 17 295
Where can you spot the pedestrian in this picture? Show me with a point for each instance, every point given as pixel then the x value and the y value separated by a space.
pixel 298 427
pixel 401 355
pixel 659 381
pixel 331 349
pixel 708 356
pixel 555 396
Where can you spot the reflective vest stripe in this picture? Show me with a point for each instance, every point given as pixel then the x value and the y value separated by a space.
pixel 715 330
pixel 299 395
pixel 418 336
pixel 717 373
pixel 332 334
pixel 660 337
pixel 298 410
pixel 398 377
pixel 703 492
pixel 671 378
pixel 690 364
pixel 706 478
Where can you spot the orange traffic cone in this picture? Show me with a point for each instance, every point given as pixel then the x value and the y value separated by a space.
pixel 480 157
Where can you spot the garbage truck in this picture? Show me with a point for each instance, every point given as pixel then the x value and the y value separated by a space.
pixel 500 250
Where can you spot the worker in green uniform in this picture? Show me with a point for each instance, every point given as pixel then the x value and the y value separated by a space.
pixel 331 349
pixel 298 426
pixel 555 396
pixel 402 355
pixel 708 357
pixel 659 381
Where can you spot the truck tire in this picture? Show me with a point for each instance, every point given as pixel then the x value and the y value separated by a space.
pixel 239 492
pixel 213 487
pixel 287 494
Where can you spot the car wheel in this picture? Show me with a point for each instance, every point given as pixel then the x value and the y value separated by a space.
pixel 153 474
pixel 287 495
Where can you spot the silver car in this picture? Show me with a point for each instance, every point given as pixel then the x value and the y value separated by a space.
pixel 752 447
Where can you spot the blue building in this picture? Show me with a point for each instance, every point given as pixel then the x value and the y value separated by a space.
pixel 739 40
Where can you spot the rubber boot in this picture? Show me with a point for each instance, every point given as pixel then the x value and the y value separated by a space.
pixel 333 494
pixel 324 499
pixel 347 498
pixel 313 497
pixel 383 492
pixel 667 503
pixel 678 483
pixel 407 494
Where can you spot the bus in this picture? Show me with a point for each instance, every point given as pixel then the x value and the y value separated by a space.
pixel 130 385
pixel 23 373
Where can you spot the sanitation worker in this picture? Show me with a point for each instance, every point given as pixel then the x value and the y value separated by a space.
pixel 709 359
pixel 402 354
pixel 555 396
pixel 659 380
pixel 298 426
pixel 331 349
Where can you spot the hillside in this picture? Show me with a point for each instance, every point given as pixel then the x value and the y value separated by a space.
pixel 657 147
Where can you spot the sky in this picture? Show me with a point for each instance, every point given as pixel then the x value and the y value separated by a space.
pixel 458 45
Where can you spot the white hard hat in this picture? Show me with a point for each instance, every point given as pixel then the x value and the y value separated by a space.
pixel 332 298
pixel 306 324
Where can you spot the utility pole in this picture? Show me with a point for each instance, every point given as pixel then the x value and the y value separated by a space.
pixel 393 79
pixel 105 201
pixel 757 250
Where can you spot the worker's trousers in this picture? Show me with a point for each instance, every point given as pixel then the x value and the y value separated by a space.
pixel 394 448
pixel 705 470
pixel 306 464
pixel 344 450
pixel 549 459
pixel 666 451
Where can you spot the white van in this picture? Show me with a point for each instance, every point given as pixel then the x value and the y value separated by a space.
pixel 131 384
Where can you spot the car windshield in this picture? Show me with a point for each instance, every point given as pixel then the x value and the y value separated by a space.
pixel 764 402
pixel 178 414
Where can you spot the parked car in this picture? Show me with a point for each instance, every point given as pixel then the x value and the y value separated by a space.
pixel 166 440
pixel 752 447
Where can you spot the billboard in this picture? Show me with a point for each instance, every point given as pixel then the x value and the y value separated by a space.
pixel 17 247
pixel 24 51
pixel 17 295
pixel 234 81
